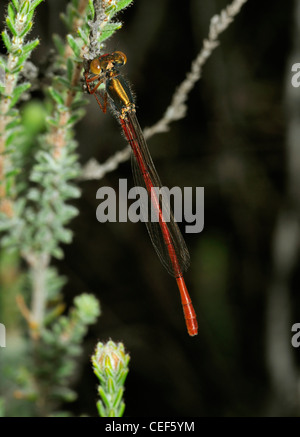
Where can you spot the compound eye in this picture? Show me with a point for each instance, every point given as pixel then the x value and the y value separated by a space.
pixel 119 58
pixel 95 66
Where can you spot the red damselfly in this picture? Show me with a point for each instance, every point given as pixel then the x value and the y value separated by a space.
pixel 165 235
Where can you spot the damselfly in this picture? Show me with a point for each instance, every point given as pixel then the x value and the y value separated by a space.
pixel 165 234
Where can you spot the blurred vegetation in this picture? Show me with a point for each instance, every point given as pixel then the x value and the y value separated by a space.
pixel 37 171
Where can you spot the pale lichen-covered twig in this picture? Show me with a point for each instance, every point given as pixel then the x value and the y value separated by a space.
pixel 96 27
pixel 177 109
pixel 93 170
pixel 103 24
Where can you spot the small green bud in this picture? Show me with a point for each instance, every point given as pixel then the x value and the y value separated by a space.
pixel 110 363
pixel 111 356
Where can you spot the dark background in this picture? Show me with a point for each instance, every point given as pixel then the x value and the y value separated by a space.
pixel 233 143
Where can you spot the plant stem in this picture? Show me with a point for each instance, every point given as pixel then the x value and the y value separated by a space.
pixel 38 264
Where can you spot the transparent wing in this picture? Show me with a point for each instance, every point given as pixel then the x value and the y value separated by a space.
pixel 164 233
